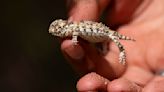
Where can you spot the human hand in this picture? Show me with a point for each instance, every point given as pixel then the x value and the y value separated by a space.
pixel 140 19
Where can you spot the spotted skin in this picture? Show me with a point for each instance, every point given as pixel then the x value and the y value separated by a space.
pixel 93 32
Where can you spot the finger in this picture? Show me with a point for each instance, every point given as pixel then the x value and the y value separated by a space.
pixel 123 85
pixel 122 11
pixel 156 85
pixel 92 82
pixel 87 9
pixel 76 56
pixel 75 52
pixel 85 58
pixel 138 75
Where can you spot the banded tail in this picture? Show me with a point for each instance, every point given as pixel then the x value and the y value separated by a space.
pixel 123 37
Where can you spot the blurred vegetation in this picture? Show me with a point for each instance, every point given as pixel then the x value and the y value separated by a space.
pixel 31 60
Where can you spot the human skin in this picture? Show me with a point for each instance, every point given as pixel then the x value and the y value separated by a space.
pixel 141 19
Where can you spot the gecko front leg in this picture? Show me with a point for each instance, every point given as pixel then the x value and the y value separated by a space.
pixel 74 38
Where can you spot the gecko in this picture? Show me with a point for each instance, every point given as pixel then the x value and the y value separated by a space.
pixel 90 31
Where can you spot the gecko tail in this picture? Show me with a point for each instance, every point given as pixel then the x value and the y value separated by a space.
pixel 123 37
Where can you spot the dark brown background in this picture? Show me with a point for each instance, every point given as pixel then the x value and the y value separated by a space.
pixel 30 59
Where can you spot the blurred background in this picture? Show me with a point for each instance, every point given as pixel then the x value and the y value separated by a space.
pixel 31 60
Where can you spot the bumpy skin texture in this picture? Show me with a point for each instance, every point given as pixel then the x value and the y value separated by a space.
pixel 88 30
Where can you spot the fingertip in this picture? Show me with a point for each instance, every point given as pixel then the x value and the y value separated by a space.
pixel 117 86
pixel 123 85
pixel 73 51
pixel 92 82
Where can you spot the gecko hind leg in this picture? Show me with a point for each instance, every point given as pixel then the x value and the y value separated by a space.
pixel 122 55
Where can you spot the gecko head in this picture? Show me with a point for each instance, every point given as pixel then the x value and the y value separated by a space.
pixel 57 26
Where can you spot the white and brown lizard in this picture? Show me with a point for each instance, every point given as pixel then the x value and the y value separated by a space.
pixel 88 30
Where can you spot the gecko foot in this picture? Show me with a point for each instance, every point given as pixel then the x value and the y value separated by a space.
pixel 122 57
